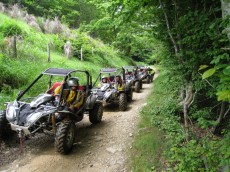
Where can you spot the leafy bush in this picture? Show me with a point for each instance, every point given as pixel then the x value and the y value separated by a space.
pixel 209 154
pixel 206 153
pixel 164 106
pixel 9 29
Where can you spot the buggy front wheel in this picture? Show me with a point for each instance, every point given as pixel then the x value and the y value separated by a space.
pixel 64 137
pixel 122 102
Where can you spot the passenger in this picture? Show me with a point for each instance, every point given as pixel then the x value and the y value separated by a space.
pixel 55 85
pixel 75 97
pixel 104 80
pixel 135 72
pixel 120 84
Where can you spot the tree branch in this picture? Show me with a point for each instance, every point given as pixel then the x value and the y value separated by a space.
pixel 168 28
pixel 225 48
pixel 207 81
pixel 221 116
pixel 225 114
pixel 194 95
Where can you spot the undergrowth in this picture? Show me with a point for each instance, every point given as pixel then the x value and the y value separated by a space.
pixel 204 153
pixel 149 143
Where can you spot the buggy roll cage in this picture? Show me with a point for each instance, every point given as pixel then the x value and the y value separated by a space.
pixel 108 71
pixel 58 72
pixel 129 67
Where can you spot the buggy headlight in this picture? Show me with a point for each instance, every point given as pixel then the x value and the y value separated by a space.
pixel 10 113
pixel 94 91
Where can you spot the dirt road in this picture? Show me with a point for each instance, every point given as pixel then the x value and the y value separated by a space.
pixel 98 148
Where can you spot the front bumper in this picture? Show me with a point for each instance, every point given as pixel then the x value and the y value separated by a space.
pixel 20 128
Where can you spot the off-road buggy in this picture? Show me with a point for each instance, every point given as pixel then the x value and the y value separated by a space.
pixel 133 78
pixel 146 74
pixel 46 112
pixel 109 92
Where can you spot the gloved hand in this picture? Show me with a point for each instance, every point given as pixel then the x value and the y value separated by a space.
pixel 71 107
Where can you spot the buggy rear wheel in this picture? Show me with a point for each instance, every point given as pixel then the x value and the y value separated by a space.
pixel 95 114
pixel 122 102
pixel 148 79
pixel 137 86
pixel 152 76
pixel 130 95
pixel 64 137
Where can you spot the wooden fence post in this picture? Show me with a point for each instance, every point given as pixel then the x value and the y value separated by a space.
pixel 81 55
pixel 48 51
pixel 15 47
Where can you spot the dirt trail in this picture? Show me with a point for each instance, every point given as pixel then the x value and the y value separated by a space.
pixel 98 148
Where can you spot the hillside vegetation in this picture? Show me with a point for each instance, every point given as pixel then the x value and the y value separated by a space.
pixel 32 55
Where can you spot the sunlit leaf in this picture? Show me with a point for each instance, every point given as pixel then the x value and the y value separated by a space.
pixel 208 73
pixel 224 95
pixel 203 67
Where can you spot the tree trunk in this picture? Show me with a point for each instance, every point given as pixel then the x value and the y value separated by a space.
pixel 185 111
pixel 188 100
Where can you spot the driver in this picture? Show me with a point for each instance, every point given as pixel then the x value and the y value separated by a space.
pixel 75 97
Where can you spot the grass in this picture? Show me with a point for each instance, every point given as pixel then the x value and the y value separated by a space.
pixel 148 145
pixel 159 127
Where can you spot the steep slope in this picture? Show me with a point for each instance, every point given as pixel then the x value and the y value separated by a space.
pixel 32 54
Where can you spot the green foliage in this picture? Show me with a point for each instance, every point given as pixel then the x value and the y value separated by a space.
pixel 9 29
pixel 204 117
pixel 220 58
pixel 131 37
pixel 102 28
pixel 73 13
pixel 206 153
pixel 164 108
pixel 149 143
pixel 223 95
pixel 10 74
